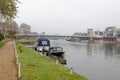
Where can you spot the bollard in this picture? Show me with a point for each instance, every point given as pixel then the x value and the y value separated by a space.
pixel 44 54
pixel 56 62
pixel 19 73
pixel 43 50
pixel 16 58
pixel 71 70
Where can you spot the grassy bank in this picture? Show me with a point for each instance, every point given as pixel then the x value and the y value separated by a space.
pixel 2 43
pixel 37 67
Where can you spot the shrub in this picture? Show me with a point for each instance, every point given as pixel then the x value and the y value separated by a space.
pixel 20 48
pixel 1 37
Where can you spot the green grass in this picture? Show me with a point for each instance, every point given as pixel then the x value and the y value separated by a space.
pixel 37 67
pixel 2 43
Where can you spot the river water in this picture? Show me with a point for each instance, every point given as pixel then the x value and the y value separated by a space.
pixel 96 61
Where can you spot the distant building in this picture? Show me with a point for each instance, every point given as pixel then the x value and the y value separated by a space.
pixel 25 29
pixel 110 32
pixel 118 33
pixel 90 32
pixel 99 34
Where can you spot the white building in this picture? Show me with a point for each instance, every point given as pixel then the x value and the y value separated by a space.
pixel 110 32
pixel 90 33
pixel 25 29
pixel 99 34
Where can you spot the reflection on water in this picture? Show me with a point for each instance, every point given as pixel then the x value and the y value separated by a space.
pixel 89 49
pixel 97 61
pixel 112 52
pixel 109 50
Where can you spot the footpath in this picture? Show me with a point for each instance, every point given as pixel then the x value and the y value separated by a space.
pixel 8 69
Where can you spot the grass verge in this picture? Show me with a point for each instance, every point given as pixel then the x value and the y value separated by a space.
pixel 2 43
pixel 37 67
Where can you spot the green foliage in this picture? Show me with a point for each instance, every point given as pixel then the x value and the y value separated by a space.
pixel 8 8
pixel 17 42
pixel 37 67
pixel 20 48
pixel 2 43
pixel 1 37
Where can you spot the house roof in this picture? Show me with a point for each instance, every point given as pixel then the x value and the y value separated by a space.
pixel 6 25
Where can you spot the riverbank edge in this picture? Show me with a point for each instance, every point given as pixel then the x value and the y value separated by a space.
pixel 31 66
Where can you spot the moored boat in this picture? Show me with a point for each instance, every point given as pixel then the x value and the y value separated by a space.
pixel 57 51
pixel 42 44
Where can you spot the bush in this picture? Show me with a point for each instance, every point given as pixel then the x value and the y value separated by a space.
pixel 20 48
pixel 1 37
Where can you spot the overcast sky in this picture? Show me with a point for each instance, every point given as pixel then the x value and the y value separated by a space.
pixel 68 16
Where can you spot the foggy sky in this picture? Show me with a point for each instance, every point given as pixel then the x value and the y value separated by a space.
pixel 68 16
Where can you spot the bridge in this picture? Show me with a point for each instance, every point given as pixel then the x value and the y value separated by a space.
pixel 40 35
pixel 72 37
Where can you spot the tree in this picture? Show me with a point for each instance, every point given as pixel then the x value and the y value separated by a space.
pixel 11 33
pixel 8 8
pixel 43 33
pixel 34 33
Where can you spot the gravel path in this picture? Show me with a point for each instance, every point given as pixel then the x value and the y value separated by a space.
pixel 8 70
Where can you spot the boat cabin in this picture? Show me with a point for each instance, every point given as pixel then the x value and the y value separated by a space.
pixel 43 43
pixel 57 51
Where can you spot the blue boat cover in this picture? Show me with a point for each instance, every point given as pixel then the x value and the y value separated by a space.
pixel 43 42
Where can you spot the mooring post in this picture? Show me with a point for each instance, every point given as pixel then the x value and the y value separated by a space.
pixel 43 50
pixel 19 73
pixel 45 54
pixel 16 58
pixel 57 62
pixel 71 70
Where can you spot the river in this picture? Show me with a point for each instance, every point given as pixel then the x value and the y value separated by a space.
pixel 96 61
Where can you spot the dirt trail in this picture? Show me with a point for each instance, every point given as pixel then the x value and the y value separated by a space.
pixel 8 69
